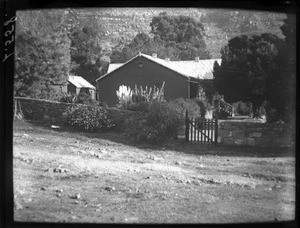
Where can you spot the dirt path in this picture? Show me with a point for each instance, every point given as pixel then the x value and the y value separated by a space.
pixel 69 177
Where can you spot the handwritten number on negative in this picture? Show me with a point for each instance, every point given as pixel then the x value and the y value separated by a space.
pixel 8 32
pixel 9 21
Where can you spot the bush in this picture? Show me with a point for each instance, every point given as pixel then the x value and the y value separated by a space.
pixel 81 98
pixel 88 118
pixel 69 98
pixel 242 108
pixel 160 121
pixel 85 98
pixel 192 106
pixel 141 106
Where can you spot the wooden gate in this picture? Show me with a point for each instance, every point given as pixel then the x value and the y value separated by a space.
pixel 201 131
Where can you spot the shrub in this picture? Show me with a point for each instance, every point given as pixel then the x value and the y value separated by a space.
pixel 192 106
pixel 88 118
pixel 69 98
pixel 140 106
pixel 85 98
pixel 52 95
pixel 160 121
pixel 81 98
pixel 242 108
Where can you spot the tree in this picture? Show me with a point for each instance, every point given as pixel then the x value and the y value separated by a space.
pixel 248 64
pixel 185 32
pixel 179 29
pixel 143 43
pixel 40 63
pixel 86 53
pixel 176 38
pixel 282 90
pixel 42 53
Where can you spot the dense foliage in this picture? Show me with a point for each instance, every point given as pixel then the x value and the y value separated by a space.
pixel 40 63
pixel 281 93
pixel 87 118
pixel 42 53
pixel 175 37
pixel 242 108
pixel 248 64
pixel 182 105
pixel 86 54
pixel 261 70
pixel 159 121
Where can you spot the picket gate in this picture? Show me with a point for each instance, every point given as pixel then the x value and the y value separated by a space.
pixel 201 131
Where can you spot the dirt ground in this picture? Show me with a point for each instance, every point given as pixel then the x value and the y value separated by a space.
pixel 62 176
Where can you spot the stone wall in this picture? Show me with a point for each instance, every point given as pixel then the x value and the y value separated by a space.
pixel 255 134
pixel 52 111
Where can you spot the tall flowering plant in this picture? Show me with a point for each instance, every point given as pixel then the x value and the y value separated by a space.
pixel 124 95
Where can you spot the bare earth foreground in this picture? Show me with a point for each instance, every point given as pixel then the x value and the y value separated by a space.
pixel 107 178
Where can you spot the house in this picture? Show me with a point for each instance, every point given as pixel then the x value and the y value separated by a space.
pixel 181 77
pixel 77 84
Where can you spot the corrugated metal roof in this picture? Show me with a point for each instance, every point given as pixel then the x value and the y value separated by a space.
pixel 201 69
pixel 80 82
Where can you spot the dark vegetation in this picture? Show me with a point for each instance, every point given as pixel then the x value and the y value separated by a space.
pixel 257 67
pixel 261 69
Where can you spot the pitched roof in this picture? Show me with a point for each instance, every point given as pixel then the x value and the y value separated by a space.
pixel 80 82
pixel 201 69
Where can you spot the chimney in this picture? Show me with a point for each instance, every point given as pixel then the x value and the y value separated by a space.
pixel 154 55
pixel 167 59
pixel 197 59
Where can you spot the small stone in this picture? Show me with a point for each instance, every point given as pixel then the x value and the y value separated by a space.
pixel 113 218
pixel 109 188
pixel 58 195
pixel 77 196
pixel 148 177
pixel 76 202
pixel 177 163
pixel 276 187
pixel 59 190
pixel 43 188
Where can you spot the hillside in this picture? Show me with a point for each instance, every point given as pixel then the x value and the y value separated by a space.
pixel 121 25
pixel 117 26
